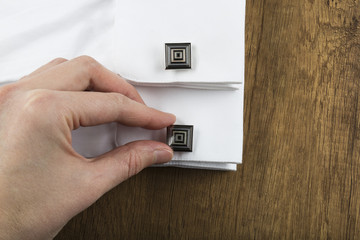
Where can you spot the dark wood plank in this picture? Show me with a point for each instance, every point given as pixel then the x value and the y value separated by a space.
pixel 300 176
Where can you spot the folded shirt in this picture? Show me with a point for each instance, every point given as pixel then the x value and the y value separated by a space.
pixel 215 30
pixel 215 115
pixel 193 85
pixel 129 37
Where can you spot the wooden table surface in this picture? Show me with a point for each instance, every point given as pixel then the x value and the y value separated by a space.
pixel 301 163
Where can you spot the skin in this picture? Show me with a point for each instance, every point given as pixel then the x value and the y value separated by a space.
pixel 43 181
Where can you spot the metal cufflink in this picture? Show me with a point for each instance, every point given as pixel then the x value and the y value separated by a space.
pixel 180 137
pixel 177 55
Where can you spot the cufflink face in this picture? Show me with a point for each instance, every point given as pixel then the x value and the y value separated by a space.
pixel 177 55
pixel 180 137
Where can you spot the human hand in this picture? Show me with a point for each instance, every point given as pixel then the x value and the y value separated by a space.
pixel 43 181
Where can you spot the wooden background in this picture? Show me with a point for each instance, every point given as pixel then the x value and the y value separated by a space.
pixel 301 164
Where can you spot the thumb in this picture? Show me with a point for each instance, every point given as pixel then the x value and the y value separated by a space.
pixel 123 162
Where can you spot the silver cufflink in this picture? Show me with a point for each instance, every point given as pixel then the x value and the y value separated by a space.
pixel 180 137
pixel 177 55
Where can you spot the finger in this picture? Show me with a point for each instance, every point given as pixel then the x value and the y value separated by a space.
pixel 82 73
pixel 121 163
pixel 47 66
pixel 94 108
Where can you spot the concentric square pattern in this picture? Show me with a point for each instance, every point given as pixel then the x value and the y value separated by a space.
pixel 180 137
pixel 178 55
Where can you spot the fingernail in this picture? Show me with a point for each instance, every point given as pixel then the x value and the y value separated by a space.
pixel 163 155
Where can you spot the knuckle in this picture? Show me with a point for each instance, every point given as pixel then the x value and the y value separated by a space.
pixel 87 61
pixel 58 60
pixel 38 99
pixel 118 98
pixel 120 102
pixel 7 90
pixel 134 165
pixel 88 64
pixel 86 58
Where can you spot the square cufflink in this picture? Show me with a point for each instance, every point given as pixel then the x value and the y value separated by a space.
pixel 177 55
pixel 180 137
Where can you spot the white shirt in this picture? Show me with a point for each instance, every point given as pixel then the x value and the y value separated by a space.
pixel 128 37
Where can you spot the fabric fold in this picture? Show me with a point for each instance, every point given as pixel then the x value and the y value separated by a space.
pixel 215 31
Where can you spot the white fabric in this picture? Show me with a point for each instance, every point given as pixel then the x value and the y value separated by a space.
pixel 128 37
pixel 214 28
pixel 200 165
pixel 193 85
pixel 216 116
pixel 34 32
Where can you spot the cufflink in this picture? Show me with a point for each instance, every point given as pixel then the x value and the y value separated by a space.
pixel 177 55
pixel 180 137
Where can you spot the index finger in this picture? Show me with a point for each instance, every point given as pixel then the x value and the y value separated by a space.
pixel 94 108
pixel 79 74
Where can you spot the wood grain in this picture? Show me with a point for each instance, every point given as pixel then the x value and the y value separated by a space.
pixel 301 164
